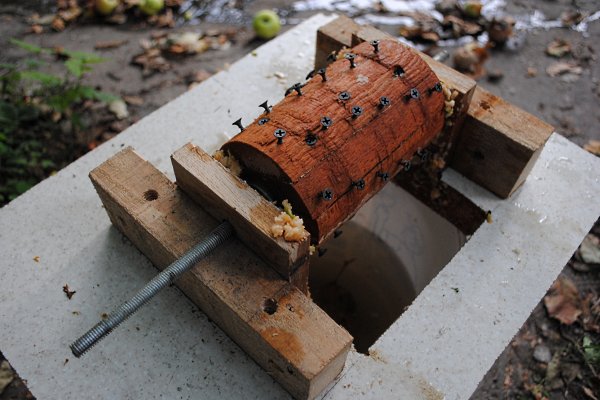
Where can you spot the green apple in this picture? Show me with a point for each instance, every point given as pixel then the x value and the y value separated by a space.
pixel 105 7
pixel 151 7
pixel 266 24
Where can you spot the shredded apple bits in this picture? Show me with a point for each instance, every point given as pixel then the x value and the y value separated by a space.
pixel 288 225
pixel 228 161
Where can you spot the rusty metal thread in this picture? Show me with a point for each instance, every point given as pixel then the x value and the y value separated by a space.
pixel 217 237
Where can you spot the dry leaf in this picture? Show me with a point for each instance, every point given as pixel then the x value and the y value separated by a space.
pixel 558 48
pixel 134 100
pixel 36 28
pixel 562 301
pixel 36 259
pixel 589 251
pixel 6 375
pixel 532 72
pixel 593 146
pixel 588 392
pixel 562 67
pixel 58 24
pixel 69 293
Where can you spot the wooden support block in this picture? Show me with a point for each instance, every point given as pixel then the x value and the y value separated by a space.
pixel 226 197
pixel 499 143
pixel 332 37
pixel 277 325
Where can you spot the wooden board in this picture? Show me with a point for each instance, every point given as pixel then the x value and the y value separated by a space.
pixel 226 197
pixel 354 148
pixel 475 131
pixel 297 344
pixel 499 143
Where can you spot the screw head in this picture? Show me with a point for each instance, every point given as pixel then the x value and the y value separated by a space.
pixel 344 96
pixel 327 194
pixel 359 184
pixel 375 44
pixel 383 175
pixel 356 111
pixel 438 87
pixel 326 122
pixel 384 101
pixel 414 93
pixel 279 134
pixel 263 121
pixel 406 164
pixel 311 139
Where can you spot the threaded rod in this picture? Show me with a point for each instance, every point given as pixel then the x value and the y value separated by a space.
pixel 217 237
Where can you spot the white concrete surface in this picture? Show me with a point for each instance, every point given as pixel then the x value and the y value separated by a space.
pixel 441 347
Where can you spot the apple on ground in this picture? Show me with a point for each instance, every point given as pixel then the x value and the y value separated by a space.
pixel 151 7
pixel 105 7
pixel 266 24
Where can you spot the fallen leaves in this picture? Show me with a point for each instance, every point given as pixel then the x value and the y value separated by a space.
pixel 593 146
pixel 563 67
pixel 6 375
pixel 109 44
pixel 470 58
pixel 68 292
pixel 558 48
pixel 562 301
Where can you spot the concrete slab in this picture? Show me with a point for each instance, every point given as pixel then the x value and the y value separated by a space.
pixel 441 347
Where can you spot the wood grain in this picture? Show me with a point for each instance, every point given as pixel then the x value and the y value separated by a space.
pixel 226 197
pixel 298 344
pixel 352 148
pixel 499 143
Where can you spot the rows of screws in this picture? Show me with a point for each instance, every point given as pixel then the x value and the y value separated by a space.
pixel 356 111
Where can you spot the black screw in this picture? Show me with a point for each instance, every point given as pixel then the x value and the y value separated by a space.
pixel 297 87
pixel 337 233
pixel 326 122
pixel 321 251
pixel 266 106
pixel 356 111
pixel 399 71
pixel 238 123
pixel 413 94
pixel 311 139
pixel 375 44
pixel 351 57
pixel 331 57
pixel 359 184
pixel 383 175
pixel 344 96
pixel 320 71
pixel 423 154
pixel 406 164
pixel 384 102
pixel 263 121
pixel 279 134
pixel 435 88
pixel 327 194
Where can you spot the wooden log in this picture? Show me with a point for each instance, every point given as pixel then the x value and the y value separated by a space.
pixel 226 197
pixel 367 147
pixel 499 144
pixel 277 325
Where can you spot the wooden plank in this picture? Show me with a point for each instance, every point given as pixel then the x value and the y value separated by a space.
pixel 297 344
pixel 332 37
pixel 225 196
pixel 499 143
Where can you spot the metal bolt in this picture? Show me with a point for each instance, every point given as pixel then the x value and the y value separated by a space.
pixel 263 121
pixel 163 279
pixel 238 123
pixel 331 57
pixel 399 71
pixel 321 251
pixel 356 111
pixel 337 233
pixel 384 102
pixel 344 96
pixel 266 106
pixel 413 94
pixel 326 122
pixel 351 57
pixel 311 139
pixel 375 44
pixel 359 184
pixel 435 88
pixel 383 175
pixel 423 154
pixel 327 194
pixel 320 71
pixel 279 134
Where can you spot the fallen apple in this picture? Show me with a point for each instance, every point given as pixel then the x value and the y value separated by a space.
pixel 105 7
pixel 151 7
pixel 266 24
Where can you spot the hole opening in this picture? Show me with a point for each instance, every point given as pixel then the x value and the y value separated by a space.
pixel 270 306
pixel 150 195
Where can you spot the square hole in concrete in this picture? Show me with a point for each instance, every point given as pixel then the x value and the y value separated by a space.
pixel 380 260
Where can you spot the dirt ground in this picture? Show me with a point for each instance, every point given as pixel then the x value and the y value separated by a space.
pixel 570 102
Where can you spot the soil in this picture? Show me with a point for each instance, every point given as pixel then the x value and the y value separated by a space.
pixel 569 102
